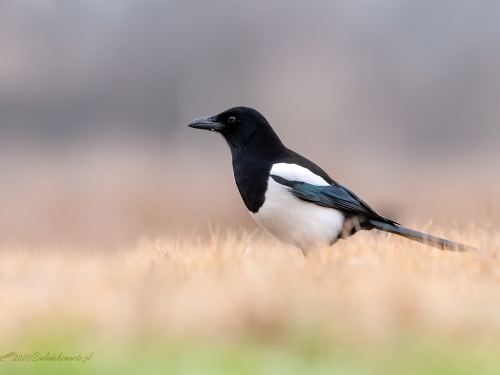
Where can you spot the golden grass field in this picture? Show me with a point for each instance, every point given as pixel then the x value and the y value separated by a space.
pixel 239 303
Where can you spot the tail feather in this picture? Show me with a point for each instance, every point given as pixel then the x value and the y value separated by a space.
pixel 414 235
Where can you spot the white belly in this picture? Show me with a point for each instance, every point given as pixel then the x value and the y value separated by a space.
pixel 296 222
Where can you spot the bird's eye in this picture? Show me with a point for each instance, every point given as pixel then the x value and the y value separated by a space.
pixel 231 119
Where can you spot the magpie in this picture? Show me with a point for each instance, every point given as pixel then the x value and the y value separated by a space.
pixel 292 198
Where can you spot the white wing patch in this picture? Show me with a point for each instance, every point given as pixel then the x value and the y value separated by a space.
pixel 294 172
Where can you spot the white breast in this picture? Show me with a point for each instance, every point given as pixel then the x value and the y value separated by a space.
pixel 293 221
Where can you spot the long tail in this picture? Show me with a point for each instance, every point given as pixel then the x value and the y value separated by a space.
pixel 426 239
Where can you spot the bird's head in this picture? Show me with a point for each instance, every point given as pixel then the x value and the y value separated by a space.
pixel 238 125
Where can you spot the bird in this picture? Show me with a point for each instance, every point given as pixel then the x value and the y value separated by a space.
pixel 289 196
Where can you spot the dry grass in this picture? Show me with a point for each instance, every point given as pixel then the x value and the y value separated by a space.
pixel 234 286
pixel 239 303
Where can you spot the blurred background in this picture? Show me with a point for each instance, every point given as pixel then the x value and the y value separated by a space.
pixel 398 100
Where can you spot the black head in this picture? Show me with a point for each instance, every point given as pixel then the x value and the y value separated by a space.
pixel 240 126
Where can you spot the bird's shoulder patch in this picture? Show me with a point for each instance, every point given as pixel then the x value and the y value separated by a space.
pixel 297 173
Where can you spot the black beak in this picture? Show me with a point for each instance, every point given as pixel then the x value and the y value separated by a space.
pixel 207 123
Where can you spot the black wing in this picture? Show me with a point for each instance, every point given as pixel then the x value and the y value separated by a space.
pixel 333 196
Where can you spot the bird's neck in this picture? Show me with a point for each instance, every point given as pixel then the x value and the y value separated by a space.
pixel 262 144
